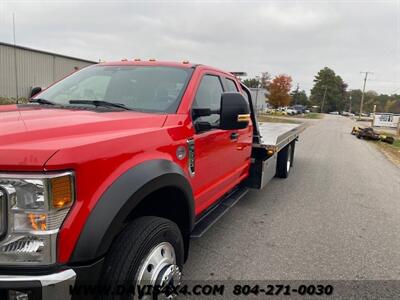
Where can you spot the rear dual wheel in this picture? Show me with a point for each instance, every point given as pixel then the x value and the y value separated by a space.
pixel 285 161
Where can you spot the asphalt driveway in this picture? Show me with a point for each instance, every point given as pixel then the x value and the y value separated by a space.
pixel 336 217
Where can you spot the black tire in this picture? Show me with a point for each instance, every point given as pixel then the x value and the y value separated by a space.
pixel 293 145
pixel 287 153
pixel 128 251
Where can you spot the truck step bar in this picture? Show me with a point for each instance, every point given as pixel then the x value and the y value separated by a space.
pixel 216 212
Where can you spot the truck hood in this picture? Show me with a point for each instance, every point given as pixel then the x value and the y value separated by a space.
pixel 30 135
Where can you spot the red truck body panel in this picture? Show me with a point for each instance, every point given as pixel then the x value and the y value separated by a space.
pixel 100 146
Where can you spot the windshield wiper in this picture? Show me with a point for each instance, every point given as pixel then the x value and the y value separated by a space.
pixel 99 103
pixel 42 101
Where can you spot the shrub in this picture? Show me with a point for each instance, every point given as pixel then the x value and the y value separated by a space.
pixel 4 101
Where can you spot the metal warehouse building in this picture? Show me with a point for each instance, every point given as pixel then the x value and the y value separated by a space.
pixel 22 68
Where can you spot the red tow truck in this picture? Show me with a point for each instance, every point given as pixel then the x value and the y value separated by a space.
pixel 107 175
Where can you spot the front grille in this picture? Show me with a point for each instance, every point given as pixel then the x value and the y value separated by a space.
pixel 3 214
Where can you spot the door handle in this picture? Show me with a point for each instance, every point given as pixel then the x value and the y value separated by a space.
pixel 234 136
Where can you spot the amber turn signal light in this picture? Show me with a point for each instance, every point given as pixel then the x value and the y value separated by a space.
pixel 61 191
pixel 270 152
pixel 243 118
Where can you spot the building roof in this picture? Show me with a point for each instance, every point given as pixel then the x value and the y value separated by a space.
pixel 47 52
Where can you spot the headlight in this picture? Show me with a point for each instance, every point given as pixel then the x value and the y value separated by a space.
pixel 3 214
pixel 32 209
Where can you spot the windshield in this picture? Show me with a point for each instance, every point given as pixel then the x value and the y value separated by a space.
pixel 143 88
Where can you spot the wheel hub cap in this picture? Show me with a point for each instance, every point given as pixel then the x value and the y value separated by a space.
pixel 289 160
pixel 159 269
pixel 169 276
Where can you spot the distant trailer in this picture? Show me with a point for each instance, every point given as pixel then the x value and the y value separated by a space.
pixel 386 120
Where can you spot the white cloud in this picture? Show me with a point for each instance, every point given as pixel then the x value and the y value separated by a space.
pixel 292 37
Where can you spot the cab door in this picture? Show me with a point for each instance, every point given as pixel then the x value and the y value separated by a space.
pixel 242 145
pixel 219 165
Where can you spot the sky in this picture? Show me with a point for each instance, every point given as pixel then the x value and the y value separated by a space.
pixel 297 38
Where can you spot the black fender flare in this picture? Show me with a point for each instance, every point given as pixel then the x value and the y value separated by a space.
pixel 106 220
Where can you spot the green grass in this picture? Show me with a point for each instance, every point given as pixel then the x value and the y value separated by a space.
pixel 363 119
pixel 266 118
pixel 396 144
pixel 391 151
pixel 313 115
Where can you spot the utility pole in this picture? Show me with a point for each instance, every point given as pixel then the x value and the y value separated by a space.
pixel 15 60
pixel 323 100
pixel 363 91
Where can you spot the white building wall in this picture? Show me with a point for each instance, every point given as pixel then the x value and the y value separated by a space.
pixel 259 99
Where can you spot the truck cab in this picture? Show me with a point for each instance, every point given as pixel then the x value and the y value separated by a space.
pixel 106 175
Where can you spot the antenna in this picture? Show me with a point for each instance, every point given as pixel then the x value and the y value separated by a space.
pixel 15 60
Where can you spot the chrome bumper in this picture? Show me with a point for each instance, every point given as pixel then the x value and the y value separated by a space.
pixel 51 286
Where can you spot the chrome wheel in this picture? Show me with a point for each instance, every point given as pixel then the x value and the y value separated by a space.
pixel 159 269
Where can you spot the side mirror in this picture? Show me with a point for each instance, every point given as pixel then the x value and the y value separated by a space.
pixel 235 111
pixel 201 112
pixel 202 126
pixel 35 90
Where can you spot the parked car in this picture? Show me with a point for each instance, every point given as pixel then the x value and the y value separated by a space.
pixel 334 113
pixel 270 110
pixel 291 111
pixel 301 109
pixel 347 114
pixel 281 111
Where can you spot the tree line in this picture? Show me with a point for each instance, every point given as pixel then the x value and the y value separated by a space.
pixel 329 93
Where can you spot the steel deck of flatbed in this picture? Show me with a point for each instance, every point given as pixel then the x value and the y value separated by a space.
pixel 277 135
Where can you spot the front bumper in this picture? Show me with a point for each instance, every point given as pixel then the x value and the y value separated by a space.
pixel 35 287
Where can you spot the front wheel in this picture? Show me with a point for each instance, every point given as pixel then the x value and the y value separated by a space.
pixel 149 252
